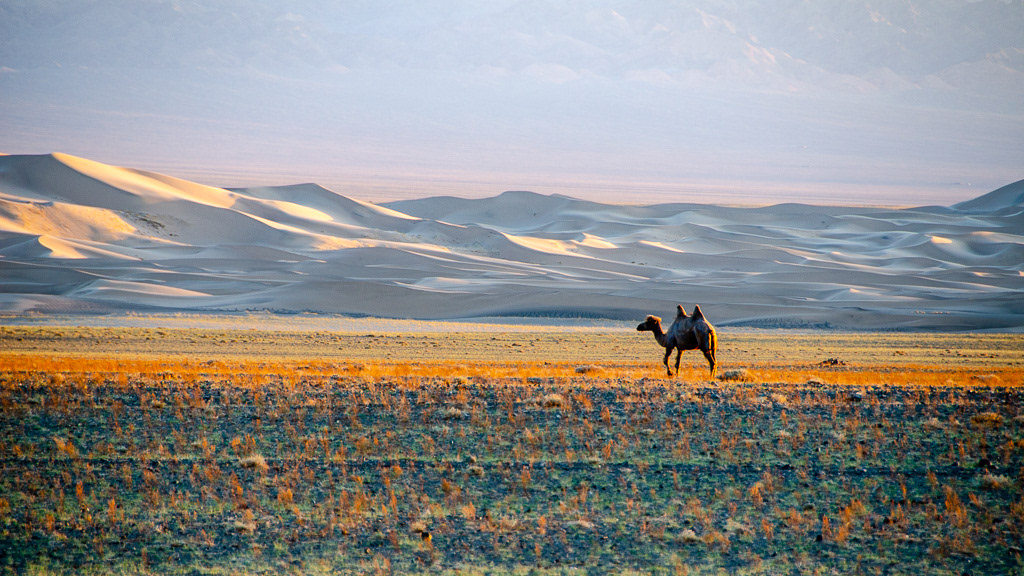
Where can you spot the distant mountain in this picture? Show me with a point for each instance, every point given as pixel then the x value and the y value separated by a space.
pixel 831 43
pixel 78 236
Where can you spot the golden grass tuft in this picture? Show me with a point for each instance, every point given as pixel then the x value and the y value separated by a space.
pixel 688 536
pixel 996 482
pixel 256 461
pixel 734 527
pixel 582 524
pixel 987 420
pixel 243 527
pixel 451 413
pixel 552 401
pixel 737 375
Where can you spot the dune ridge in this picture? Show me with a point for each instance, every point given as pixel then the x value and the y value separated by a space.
pixel 78 236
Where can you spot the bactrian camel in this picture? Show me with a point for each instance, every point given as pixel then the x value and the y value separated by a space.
pixel 686 333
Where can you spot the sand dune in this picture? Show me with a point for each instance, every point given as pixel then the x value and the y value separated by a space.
pixel 77 236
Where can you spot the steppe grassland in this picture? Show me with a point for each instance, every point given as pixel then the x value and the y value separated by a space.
pixel 165 450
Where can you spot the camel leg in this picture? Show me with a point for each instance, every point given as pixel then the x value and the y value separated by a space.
pixel 668 354
pixel 712 364
pixel 679 356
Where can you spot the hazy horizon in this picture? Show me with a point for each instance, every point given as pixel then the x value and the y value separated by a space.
pixel 893 103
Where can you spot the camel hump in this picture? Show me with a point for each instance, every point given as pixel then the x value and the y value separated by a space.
pixel 680 313
pixel 697 313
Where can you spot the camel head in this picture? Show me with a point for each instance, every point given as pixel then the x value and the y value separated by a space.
pixel 649 325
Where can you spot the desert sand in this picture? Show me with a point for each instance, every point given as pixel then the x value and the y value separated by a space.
pixel 81 237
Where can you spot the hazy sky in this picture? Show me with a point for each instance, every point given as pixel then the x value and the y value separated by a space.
pixel 887 102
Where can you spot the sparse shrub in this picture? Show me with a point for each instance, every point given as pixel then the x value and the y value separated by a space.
pixel 795 521
pixel 995 482
pixel 582 524
pixel 254 461
pixel 987 420
pixel 246 524
pixel 689 537
pixel 508 523
pixel 451 413
pixel 955 510
pixel 715 539
pixel 65 447
pixel 285 496
pixel 734 527
pixel 738 375
pixel 112 512
pixel 552 401
pixel 755 495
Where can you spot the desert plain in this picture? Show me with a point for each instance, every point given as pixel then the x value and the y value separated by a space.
pixel 446 448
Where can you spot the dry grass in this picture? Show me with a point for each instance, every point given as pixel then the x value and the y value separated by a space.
pixel 581 348
pixel 114 371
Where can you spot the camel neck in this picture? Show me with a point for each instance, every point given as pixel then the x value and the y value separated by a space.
pixel 659 334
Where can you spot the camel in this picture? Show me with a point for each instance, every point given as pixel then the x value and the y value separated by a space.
pixel 686 333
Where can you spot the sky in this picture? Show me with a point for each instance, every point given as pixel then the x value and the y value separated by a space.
pixel 889 102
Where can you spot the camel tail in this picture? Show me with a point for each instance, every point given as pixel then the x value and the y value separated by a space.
pixel 712 350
